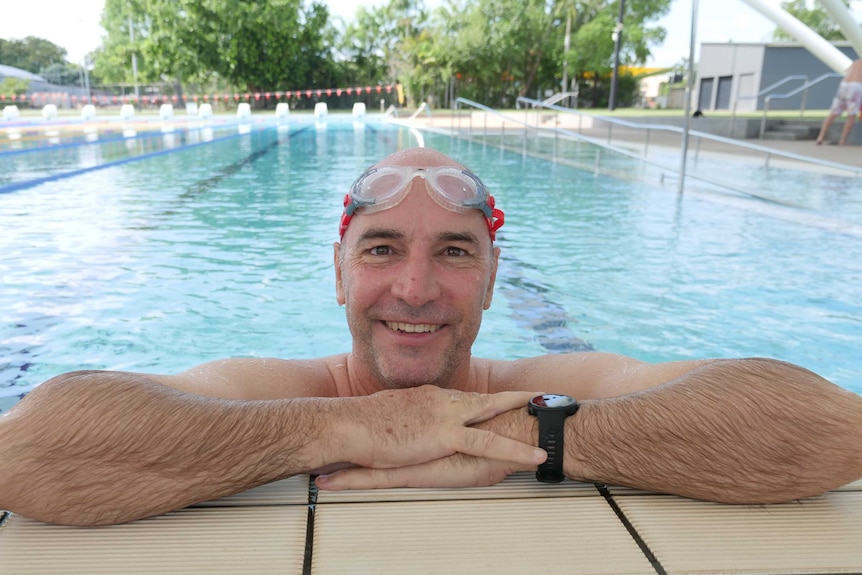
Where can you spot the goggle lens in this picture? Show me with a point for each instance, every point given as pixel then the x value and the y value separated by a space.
pixel 459 188
pixel 377 187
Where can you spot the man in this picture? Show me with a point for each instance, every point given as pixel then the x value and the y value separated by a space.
pixel 848 99
pixel 409 405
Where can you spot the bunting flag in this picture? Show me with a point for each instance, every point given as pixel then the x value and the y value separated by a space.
pixel 37 98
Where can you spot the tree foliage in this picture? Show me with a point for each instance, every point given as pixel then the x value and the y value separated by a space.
pixel 592 47
pixel 31 54
pixel 496 50
pixel 64 74
pixel 362 49
pixel 273 44
pixel 491 51
pixel 14 86
pixel 813 16
pixel 123 20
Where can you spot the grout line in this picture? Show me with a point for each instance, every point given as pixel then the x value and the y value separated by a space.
pixel 309 526
pixel 631 529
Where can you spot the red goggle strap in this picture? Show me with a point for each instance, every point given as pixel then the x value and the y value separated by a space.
pixel 345 219
pixel 495 222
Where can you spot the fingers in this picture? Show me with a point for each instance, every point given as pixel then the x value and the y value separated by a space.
pixel 367 478
pixel 453 471
pixel 487 406
pixel 491 445
pixel 483 443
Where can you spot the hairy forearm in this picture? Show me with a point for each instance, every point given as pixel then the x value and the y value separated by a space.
pixel 93 448
pixel 740 431
pixel 99 448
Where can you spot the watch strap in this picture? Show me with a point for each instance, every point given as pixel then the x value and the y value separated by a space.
pixel 551 434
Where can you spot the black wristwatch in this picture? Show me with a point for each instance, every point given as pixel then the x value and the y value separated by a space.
pixel 552 411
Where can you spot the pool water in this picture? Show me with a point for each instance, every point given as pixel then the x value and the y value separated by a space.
pixel 207 243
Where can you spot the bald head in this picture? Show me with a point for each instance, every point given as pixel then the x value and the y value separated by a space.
pixel 418 158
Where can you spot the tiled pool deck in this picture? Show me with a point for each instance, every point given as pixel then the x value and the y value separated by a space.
pixel 519 527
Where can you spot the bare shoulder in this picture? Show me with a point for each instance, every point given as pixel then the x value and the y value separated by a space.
pixel 261 378
pixel 584 375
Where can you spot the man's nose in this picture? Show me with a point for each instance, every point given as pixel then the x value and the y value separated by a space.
pixel 416 283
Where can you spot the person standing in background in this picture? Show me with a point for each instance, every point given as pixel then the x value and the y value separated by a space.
pixel 848 99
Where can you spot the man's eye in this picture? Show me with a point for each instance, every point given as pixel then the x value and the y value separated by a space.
pixel 380 251
pixel 455 252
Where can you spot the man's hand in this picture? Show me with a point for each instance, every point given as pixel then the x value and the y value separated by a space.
pixel 456 470
pixel 408 427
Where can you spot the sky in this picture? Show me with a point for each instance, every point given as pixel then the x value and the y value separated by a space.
pixel 74 24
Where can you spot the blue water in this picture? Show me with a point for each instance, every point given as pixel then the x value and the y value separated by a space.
pixel 207 243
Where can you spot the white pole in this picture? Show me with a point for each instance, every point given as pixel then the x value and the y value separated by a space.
pixel 618 39
pixel 134 60
pixel 688 85
pixel 823 50
pixel 87 77
pixel 566 46
pixel 852 31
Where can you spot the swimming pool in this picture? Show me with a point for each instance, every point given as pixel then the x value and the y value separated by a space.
pixel 214 241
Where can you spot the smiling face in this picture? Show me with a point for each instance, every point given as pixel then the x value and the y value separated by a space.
pixel 415 279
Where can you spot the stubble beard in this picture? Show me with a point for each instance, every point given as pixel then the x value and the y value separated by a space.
pixel 404 373
pixel 439 371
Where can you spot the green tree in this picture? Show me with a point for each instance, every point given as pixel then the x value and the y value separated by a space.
pixel 363 49
pixel 269 44
pixel 382 43
pixel 31 53
pixel 813 16
pixel 488 50
pixel 122 20
pixel 64 74
pixel 496 50
pixel 592 46
pixel 14 86
pixel 425 70
pixel 404 21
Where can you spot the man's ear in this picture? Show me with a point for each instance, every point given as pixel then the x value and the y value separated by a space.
pixel 489 293
pixel 339 286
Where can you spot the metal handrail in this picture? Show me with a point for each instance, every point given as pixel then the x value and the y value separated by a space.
pixel 422 107
pixel 596 142
pixel 720 139
pixel 768 152
pixel 769 89
pixel 762 93
pixel 553 99
pixel 803 89
pixel 556 98
pixel 526 125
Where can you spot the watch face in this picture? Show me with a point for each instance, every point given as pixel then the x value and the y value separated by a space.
pixel 552 400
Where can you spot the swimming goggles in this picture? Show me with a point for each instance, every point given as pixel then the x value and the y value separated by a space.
pixel 453 188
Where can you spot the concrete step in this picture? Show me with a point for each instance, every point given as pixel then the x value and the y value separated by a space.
pixel 791 131
pixel 786 136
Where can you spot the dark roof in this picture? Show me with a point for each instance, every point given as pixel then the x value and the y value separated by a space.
pixel 12 72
